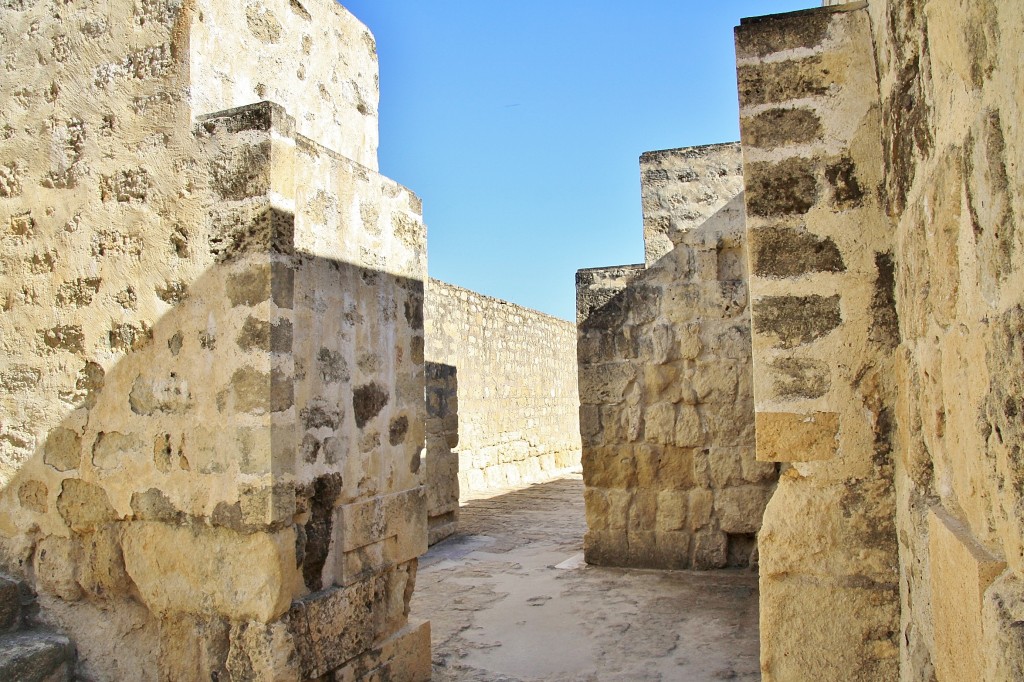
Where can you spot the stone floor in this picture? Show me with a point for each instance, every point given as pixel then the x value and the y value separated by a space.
pixel 511 600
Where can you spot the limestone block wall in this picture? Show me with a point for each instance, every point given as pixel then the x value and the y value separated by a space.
pixel 681 188
pixel 824 332
pixel 517 397
pixel 950 84
pixel 666 412
pixel 212 361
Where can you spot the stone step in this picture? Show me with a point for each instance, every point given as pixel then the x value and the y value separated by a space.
pixel 36 656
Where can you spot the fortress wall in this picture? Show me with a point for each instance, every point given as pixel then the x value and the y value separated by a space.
pixel 212 362
pixel 824 331
pixel 517 398
pixel 950 90
pixel 681 188
pixel 666 411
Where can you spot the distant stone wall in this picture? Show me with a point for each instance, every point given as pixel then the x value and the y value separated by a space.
pixel 517 395
pixel 666 411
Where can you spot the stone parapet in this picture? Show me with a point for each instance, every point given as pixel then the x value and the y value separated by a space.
pixel 213 412
pixel 666 412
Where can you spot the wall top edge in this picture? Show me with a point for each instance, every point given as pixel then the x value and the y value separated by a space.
pixel 434 282
pixel 265 116
pixel 696 150
pixel 783 16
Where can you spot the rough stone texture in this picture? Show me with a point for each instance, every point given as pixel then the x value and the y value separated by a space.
pixel 935 476
pixel 823 388
pixel 213 379
pixel 516 391
pixel 666 412
pixel 442 460
pixel 682 188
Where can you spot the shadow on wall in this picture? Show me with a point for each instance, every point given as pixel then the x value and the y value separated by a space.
pixel 442 462
pixel 667 415
pixel 204 493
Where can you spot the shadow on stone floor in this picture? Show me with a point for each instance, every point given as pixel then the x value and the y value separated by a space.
pixel 511 599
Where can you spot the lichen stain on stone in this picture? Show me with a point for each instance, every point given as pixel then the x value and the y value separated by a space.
pixel 367 402
pixel 785 252
pixel 317 529
pixel 796 320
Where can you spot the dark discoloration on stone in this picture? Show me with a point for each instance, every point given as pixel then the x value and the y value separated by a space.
pixel 255 334
pixel 270 231
pixel 906 116
pixel 784 188
pixel 63 449
pixel 800 378
pixel 781 127
pixel 332 366
pixel 414 311
pixel 84 506
pixel 781 32
pixel 79 292
pixel 282 285
pixel 842 177
pixel 885 328
pixel 242 172
pixel 33 496
pixel 367 402
pixel 130 337
pixel 989 202
pixel 64 337
pixel 89 384
pixel 785 252
pixel 318 529
pixel 796 320
pixel 281 336
pixel 397 429
pixel 173 292
pixel 175 343
pixel 249 287
pixel 153 505
pixel 320 414
pixel 783 81
pixel 310 448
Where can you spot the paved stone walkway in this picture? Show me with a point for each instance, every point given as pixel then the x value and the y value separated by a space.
pixel 511 600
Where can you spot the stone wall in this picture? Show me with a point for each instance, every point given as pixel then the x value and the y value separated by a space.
pixel 212 350
pixel 881 133
pixel 517 397
pixel 666 411
pixel 441 457
pixel 681 188
pixel 824 328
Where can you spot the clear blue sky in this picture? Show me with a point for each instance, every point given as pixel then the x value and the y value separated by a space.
pixel 520 125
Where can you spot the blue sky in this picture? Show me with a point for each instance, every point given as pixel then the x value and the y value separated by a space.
pixel 520 125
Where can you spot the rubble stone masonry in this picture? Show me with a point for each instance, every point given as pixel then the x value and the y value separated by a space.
pixel 211 343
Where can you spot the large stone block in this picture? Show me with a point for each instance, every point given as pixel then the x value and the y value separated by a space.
pixel 788 437
pixel 961 571
pixel 203 570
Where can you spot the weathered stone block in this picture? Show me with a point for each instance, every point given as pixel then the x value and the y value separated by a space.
pixel 788 437
pixel 961 571
pixel 796 320
pixel 787 187
pixel 213 570
pixel 780 252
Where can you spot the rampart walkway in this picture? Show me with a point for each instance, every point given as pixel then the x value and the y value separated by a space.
pixel 510 600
